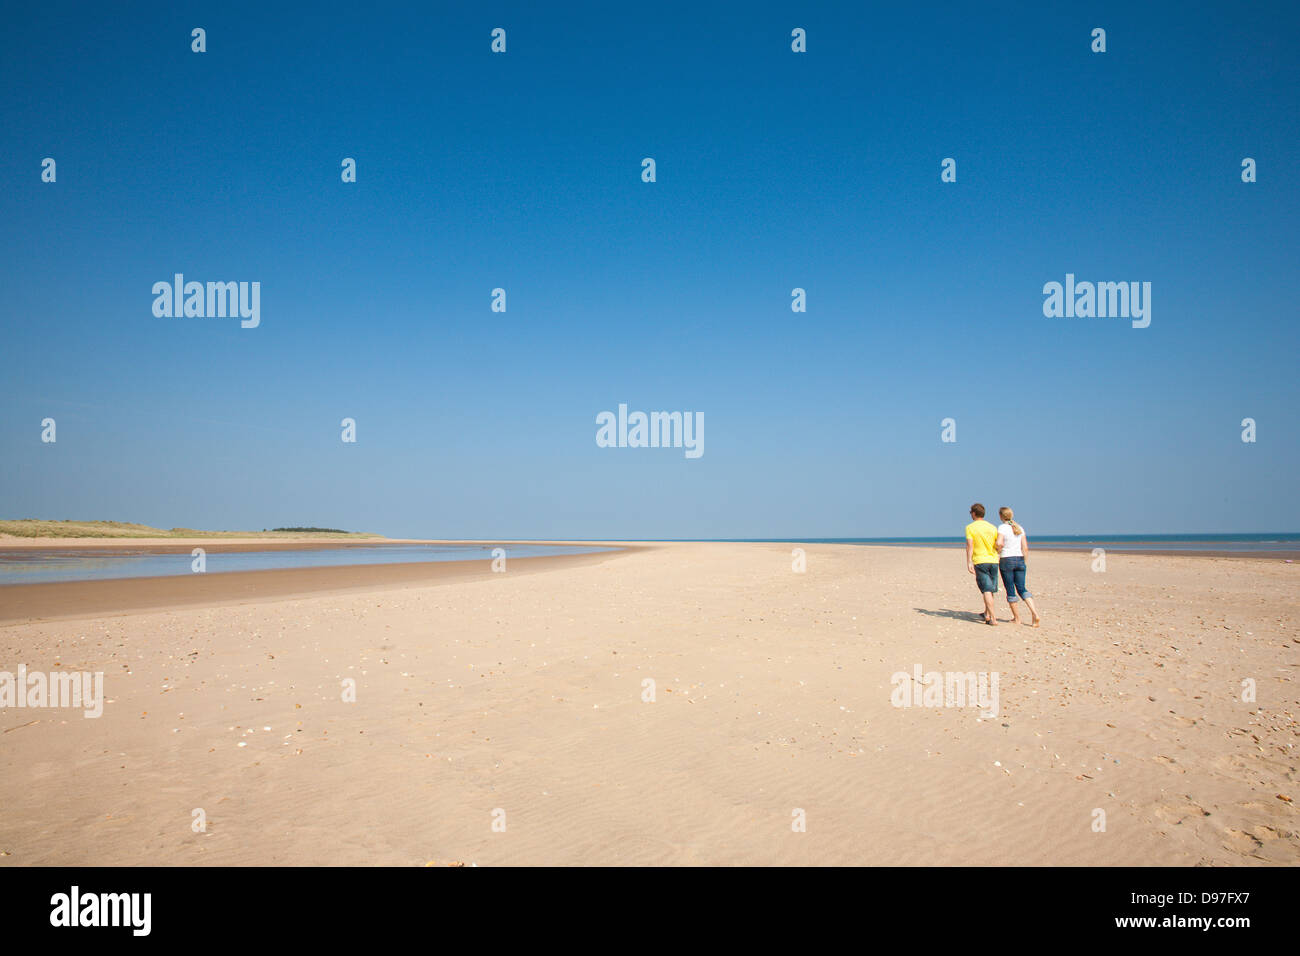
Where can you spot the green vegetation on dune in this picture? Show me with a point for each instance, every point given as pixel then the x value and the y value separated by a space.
pixel 313 530
pixel 36 528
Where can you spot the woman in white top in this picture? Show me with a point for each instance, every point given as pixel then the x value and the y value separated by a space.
pixel 1013 547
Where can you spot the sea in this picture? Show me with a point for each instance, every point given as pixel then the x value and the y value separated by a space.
pixel 1227 543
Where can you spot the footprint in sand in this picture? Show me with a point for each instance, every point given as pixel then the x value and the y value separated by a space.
pixel 1244 842
pixel 1180 814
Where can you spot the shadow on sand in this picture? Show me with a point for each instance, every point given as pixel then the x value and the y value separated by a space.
pixel 975 617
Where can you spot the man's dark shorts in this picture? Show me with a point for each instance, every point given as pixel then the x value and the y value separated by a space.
pixel 986 577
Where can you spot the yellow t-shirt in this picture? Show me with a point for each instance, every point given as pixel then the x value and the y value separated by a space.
pixel 984 538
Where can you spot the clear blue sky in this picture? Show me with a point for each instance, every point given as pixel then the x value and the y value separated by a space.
pixel 775 170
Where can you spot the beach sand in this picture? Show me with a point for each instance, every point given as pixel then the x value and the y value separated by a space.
pixel 517 698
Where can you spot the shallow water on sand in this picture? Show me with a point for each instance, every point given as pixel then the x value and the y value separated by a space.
pixel 74 565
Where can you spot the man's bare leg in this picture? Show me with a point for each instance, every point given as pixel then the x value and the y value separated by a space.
pixel 988 608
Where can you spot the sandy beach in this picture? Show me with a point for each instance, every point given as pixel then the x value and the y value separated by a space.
pixel 504 719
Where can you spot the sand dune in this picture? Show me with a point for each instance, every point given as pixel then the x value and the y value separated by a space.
pixel 523 692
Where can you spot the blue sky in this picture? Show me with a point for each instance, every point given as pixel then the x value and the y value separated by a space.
pixel 775 170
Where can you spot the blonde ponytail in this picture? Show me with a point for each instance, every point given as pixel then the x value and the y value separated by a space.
pixel 1009 516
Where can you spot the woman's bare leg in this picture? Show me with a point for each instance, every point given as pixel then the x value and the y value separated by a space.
pixel 1033 610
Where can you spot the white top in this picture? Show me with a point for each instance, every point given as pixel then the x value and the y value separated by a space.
pixel 1013 544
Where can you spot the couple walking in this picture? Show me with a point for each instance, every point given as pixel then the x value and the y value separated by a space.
pixel 992 551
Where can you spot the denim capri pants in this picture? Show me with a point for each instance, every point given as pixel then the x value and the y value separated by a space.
pixel 1013 578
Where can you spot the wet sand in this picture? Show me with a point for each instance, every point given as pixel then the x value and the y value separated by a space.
pixel 62 600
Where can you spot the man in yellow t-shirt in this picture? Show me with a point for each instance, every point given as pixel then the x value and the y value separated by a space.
pixel 982 558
